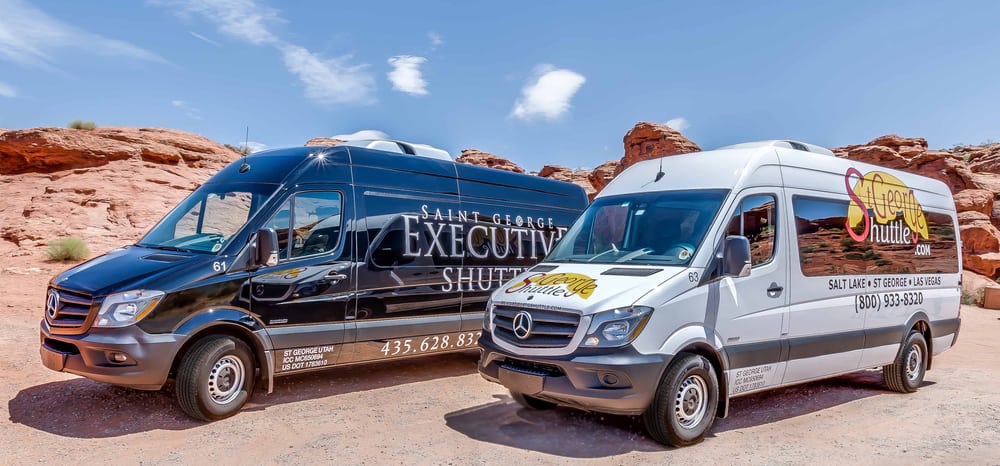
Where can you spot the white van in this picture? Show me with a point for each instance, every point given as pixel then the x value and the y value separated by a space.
pixel 700 277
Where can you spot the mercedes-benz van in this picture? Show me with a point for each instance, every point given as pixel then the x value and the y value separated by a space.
pixel 299 259
pixel 700 277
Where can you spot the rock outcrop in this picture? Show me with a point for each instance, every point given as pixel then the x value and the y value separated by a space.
pixel 579 177
pixel 486 159
pixel 321 141
pixel 107 186
pixel 912 155
pixel 650 141
pixel 48 150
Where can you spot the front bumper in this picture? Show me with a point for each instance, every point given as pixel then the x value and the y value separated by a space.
pixel 147 363
pixel 620 382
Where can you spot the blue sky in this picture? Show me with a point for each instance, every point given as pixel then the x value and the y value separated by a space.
pixel 555 82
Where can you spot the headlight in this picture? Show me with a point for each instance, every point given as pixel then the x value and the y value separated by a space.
pixel 617 327
pixel 123 309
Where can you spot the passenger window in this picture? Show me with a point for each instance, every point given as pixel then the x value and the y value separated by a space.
pixel 755 218
pixel 308 224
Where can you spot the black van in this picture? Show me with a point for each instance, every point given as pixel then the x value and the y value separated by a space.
pixel 298 259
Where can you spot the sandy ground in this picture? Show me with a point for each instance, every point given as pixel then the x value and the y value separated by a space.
pixel 437 410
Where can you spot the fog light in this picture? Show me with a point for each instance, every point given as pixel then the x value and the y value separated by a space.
pixel 591 341
pixel 610 379
pixel 118 357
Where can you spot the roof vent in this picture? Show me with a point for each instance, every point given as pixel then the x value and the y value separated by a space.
pixel 787 144
pixel 401 147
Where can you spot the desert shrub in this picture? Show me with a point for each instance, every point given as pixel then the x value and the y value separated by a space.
pixel 80 124
pixel 973 297
pixel 67 249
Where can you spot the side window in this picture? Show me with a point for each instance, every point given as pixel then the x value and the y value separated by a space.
pixel 308 224
pixel 755 218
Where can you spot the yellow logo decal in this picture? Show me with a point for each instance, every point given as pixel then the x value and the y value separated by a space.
pixel 556 284
pixel 886 197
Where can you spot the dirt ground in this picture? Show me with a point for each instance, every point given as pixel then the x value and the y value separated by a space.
pixel 437 410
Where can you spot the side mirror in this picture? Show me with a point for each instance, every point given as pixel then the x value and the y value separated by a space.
pixel 736 256
pixel 267 247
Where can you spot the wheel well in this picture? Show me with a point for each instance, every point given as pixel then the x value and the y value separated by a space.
pixel 230 329
pixel 925 329
pixel 706 351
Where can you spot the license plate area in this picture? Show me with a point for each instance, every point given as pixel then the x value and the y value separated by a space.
pixel 52 359
pixel 527 384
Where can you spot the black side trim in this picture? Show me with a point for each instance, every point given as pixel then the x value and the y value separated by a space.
pixel 756 354
pixel 629 272
pixel 875 337
pixel 945 326
pixel 820 345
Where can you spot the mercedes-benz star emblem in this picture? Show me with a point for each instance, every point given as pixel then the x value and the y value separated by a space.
pixel 52 304
pixel 258 290
pixel 522 325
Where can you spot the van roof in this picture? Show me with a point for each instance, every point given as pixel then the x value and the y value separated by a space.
pixel 763 163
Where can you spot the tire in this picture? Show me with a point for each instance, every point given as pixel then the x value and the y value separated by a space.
pixel 685 403
pixel 530 402
pixel 906 373
pixel 216 378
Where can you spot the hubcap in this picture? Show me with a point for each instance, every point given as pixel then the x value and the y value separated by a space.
pixel 914 363
pixel 226 379
pixel 691 401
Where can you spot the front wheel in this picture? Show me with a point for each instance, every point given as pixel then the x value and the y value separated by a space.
pixel 215 378
pixel 906 373
pixel 684 406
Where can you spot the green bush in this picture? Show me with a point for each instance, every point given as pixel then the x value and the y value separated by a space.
pixel 67 249
pixel 80 124
pixel 973 297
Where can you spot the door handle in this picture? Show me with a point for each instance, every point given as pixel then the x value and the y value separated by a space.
pixel 336 276
pixel 774 290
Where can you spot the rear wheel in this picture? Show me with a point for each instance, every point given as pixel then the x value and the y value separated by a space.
pixel 684 406
pixel 906 373
pixel 531 402
pixel 215 378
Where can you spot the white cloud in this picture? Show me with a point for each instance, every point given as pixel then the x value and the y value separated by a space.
pixel 6 90
pixel 362 135
pixel 29 36
pixel 406 75
pixel 191 112
pixel 205 39
pixel 436 39
pixel 327 81
pixel 240 19
pixel 548 95
pixel 679 123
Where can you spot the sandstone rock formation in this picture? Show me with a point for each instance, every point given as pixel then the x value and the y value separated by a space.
pixel 650 141
pixel 107 186
pixel 486 159
pixel 322 141
pixel 579 177
pixel 47 150
pixel 912 155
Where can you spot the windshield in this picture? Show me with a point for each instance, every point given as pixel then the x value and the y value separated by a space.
pixel 209 217
pixel 658 228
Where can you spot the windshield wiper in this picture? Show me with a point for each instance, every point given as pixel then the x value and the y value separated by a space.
pixel 165 248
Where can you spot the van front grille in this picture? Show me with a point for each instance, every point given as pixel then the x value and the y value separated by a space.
pixel 548 328
pixel 67 309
